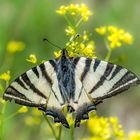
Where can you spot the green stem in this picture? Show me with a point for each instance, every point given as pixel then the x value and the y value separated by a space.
pixel 60 132
pixel 108 54
pixel 72 132
pixel 84 130
pixel 68 21
pixel 79 22
pixel 108 49
pixel 1 89
pixel 2 120
pixel 2 115
pixel 11 116
pixel 52 129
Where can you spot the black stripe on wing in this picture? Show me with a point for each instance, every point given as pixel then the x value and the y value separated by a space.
pixel 14 92
pixel 76 60
pixel 115 72
pixel 52 62
pixel 86 68
pixel 124 80
pixel 96 64
pixel 128 80
pixel 31 85
pixel 18 101
pixel 103 77
pixel 21 101
pixel 21 83
pixel 35 71
pixel 45 74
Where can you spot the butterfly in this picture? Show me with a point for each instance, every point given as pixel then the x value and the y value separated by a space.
pixel 79 83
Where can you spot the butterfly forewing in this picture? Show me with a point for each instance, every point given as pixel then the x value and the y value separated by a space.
pixel 102 79
pixel 33 87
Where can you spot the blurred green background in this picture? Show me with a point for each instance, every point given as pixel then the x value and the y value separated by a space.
pixel 31 20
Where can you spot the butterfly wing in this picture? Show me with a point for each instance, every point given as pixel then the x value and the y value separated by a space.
pixel 102 79
pixel 39 87
pixel 97 80
pixel 35 87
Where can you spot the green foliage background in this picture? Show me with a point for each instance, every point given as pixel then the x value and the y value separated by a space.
pixel 32 20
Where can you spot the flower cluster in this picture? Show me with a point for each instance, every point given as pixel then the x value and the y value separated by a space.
pixel 105 128
pixel 79 45
pixel 134 135
pixel 81 49
pixel 75 10
pixel 115 36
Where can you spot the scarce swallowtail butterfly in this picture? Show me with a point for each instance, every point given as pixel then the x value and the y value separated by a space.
pixel 79 83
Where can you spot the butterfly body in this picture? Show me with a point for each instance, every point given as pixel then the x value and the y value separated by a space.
pixel 65 76
pixel 79 83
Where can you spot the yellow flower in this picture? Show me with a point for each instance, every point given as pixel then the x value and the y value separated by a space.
pixel 105 128
pixel 127 38
pixel 57 54
pixel 85 49
pixel 117 128
pixel 116 37
pixel 101 30
pixel 95 138
pixel 62 10
pixel 23 109
pixel 114 41
pixel 70 31
pixel 85 36
pixel 75 10
pixel 85 12
pixel 112 29
pixel 36 112
pixel 15 46
pixel 5 76
pixel 134 135
pixel 32 59
pixel 89 50
pixel 99 127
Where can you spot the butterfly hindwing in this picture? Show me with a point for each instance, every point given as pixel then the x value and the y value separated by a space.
pixel 102 79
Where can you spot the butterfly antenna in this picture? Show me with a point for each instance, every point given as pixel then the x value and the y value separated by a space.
pixel 73 38
pixel 56 46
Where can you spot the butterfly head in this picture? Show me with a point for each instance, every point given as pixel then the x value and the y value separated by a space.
pixel 64 53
